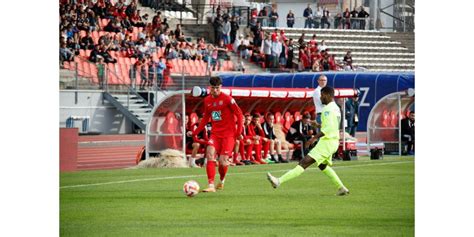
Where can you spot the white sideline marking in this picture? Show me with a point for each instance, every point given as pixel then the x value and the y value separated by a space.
pixel 232 174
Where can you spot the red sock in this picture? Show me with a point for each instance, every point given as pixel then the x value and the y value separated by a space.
pixel 222 171
pixel 234 157
pixel 242 151
pixel 266 147
pixel 258 151
pixel 249 152
pixel 211 171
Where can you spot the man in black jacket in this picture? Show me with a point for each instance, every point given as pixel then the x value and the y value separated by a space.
pixel 408 134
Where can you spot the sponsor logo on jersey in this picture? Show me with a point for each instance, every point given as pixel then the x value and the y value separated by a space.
pixel 216 115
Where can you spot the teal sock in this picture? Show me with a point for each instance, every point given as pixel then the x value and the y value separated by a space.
pixel 291 174
pixel 333 176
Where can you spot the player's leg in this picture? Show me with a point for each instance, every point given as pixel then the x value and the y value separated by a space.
pixel 227 145
pixel 291 174
pixel 249 150
pixel 267 147
pixel 322 154
pixel 258 152
pixel 211 165
pixel 192 159
pixel 278 150
pixel 236 153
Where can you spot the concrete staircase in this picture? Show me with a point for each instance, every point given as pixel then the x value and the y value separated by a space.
pixel 407 39
pixel 372 50
pixel 132 106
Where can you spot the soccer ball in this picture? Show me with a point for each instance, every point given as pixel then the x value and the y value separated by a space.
pixel 191 188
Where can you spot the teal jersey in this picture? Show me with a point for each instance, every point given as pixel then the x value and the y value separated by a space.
pixel 330 120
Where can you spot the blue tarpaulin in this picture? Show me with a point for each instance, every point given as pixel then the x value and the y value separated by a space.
pixel 372 86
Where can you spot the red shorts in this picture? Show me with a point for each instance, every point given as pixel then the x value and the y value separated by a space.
pixel 223 146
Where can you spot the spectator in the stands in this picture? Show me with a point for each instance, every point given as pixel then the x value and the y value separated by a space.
pixel 322 46
pixel 218 25
pixel 234 28
pixel 105 53
pixel 354 21
pixel 291 48
pixel 267 50
pixel 221 55
pixel 325 62
pixel 301 39
pixel 65 54
pixel 172 53
pixel 362 14
pixel 313 42
pixel 284 53
pixel 325 19
pixel 185 52
pixel 87 42
pixel 256 55
pixel 93 20
pixel 337 21
pixel 348 61
pixel 116 43
pixel 290 19
pixel 101 71
pixel 195 53
pixel 308 14
pixel 226 28
pixel 273 18
pixel 347 19
pixel 132 73
pixel 152 66
pixel 317 14
pixel 150 43
pixel 143 72
pixel 73 45
pixel 303 58
pixel 113 26
pixel 263 17
pixel 160 67
pixel 236 44
pixel 257 34
pixel 178 33
pixel 276 49
pixel 244 47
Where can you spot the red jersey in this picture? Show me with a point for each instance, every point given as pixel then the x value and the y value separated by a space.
pixel 220 111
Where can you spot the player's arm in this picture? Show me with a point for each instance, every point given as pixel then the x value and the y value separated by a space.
pixel 202 124
pixel 238 113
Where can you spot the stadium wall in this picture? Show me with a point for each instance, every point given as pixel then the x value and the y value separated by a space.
pixel 372 86
pixel 104 118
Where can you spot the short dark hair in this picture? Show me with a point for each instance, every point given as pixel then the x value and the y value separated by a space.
pixel 306 115
pixel 215 81
pixel 328 90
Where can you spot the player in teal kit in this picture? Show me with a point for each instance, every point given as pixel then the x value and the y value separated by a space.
pixel 326 147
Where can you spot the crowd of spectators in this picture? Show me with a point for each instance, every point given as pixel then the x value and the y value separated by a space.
pixel 320 18
pixel 125 32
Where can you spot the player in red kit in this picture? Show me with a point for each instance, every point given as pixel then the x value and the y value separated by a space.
pixel 220 110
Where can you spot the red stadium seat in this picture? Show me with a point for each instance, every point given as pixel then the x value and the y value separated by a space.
pixel 297 116
pixel 288 121
pixel 171 126
pixel 385 118
pixel 193 118
pixel 278 118
pixel 393 118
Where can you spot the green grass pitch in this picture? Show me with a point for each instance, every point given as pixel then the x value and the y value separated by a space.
pixel 150 202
